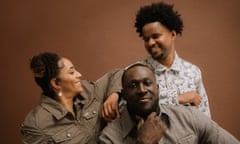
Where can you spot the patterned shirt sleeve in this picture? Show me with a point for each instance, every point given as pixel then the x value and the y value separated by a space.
pixel 204 106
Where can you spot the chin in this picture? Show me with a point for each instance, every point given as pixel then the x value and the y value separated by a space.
pixel 80 90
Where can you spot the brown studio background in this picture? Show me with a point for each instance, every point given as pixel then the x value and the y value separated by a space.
pixel 99 36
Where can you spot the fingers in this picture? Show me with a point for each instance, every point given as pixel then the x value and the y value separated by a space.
pixel 152 115
pixel 197 99
pixel 151 130
pixel 140 123
pixel 110 107
pixel 105 113
pixel 156 120
pixel 110 111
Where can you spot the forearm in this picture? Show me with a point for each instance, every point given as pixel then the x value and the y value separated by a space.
pixel 115 83
pixel 183 99
pixel 109 83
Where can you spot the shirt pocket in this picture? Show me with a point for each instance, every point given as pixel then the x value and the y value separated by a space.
pixel 91 115
pixel 68 134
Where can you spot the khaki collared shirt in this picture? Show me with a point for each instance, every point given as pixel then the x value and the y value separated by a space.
pixel 187 126
pixel 51 123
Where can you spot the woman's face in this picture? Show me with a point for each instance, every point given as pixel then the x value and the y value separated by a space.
pixel 69 78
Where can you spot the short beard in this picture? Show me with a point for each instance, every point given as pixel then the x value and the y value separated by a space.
pixel 159 58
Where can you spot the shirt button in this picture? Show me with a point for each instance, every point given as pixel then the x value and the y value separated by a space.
pixel 86 114
pixel 68 135
pixel 94 112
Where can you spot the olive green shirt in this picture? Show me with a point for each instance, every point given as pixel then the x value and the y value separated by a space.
pixel 187 126
pixel 51 123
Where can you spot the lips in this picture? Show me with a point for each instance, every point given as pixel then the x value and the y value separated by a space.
pixel 155 51
pixel 78 83
pixel 144 100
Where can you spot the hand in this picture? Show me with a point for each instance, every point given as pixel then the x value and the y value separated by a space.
pixel 110 107
pixel 151 130
pixel 191 97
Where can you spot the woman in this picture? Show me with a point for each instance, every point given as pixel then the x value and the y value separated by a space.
pixel 69 109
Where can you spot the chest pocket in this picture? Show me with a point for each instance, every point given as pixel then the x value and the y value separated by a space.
pixel 91 114
pixel 71 134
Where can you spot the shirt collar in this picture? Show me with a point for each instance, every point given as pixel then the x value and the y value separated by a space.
pixel 158 67
pixel 130 125
pixel 55 108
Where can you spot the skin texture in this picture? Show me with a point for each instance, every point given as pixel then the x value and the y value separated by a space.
pixel 68 83
pixel 141 93
pixel 159 42
pixel 110 108
pixel 69 78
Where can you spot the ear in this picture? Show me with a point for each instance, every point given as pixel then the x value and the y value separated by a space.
pixel 54 83
pixel 174 34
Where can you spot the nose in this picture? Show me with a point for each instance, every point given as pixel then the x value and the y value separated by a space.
pixel 151 42
pixel 79 74
pixel 142 90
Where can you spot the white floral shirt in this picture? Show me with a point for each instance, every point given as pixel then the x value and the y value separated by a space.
pixel 181 77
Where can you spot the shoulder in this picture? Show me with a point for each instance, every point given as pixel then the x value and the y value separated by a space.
pixel 180 112
pixel 118 125
pixel 37 117
pixel 111 133
pixel 117 130
pixel 189 66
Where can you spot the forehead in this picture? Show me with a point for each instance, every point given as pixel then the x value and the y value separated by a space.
pixel 138 73
pixel 65 63
pixel 154 27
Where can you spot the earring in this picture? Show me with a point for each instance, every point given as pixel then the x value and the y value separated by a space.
pixel 60 93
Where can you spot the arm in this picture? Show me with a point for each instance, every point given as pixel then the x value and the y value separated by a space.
pixel 110 107
pixel 198 96
pixel 32 135
pixel 110 85
pixel 191 97
pixel 204 105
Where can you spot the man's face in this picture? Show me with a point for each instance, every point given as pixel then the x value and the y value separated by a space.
pixel 140 90
pixel 159 41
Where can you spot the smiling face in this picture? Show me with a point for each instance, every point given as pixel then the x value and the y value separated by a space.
pixel 159 41
pixel 68 78
pixel 140 90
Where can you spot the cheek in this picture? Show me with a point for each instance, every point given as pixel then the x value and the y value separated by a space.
pixel 68 84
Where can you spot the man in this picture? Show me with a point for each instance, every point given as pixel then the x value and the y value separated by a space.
pixel 180 81
pixel 145 122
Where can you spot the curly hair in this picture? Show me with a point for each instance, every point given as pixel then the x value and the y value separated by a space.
pixel 45 67
pixel 159 12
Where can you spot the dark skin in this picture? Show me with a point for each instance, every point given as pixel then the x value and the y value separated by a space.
pixel 141 93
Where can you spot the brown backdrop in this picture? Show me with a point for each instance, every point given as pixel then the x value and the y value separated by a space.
pixel 99 36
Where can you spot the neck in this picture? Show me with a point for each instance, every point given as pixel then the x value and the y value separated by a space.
pixel 136 115
pixel 67 103
pixel 168 61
